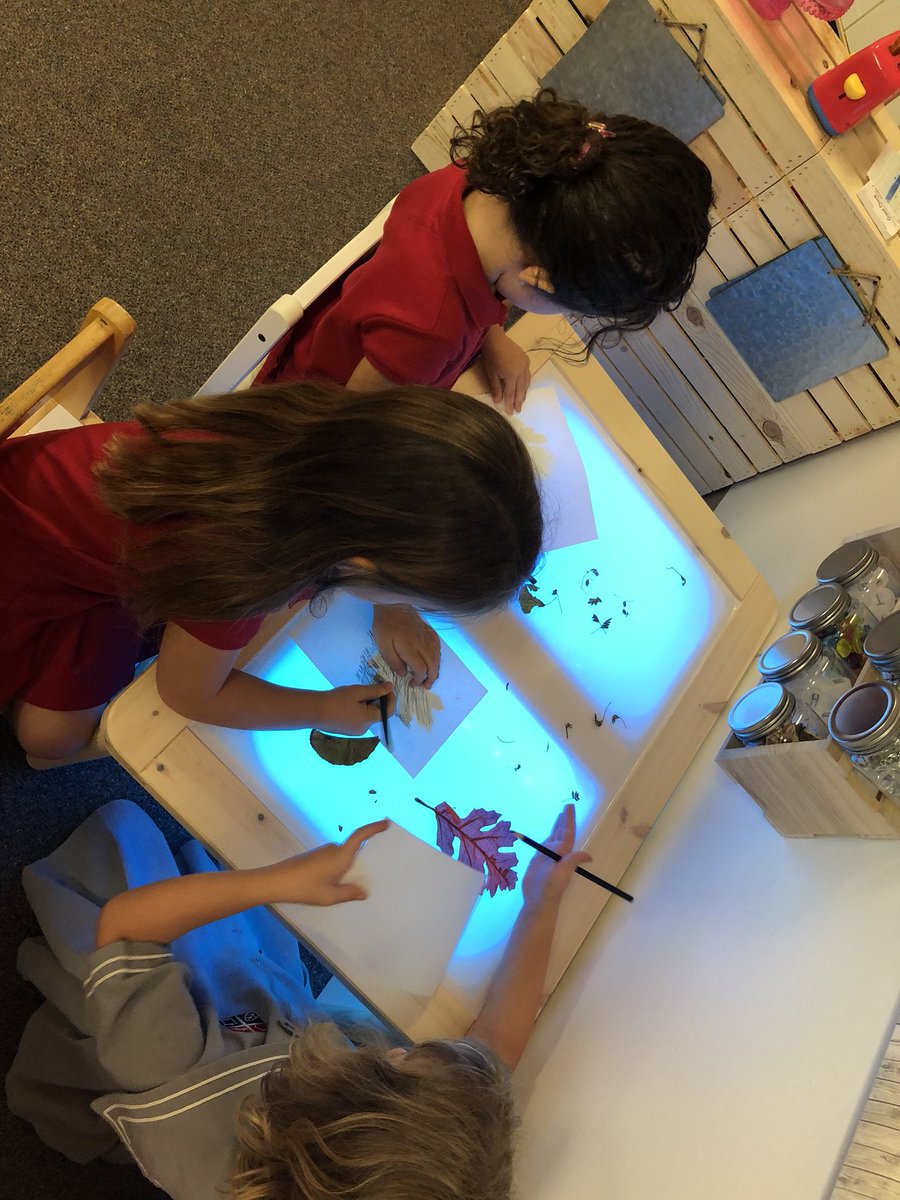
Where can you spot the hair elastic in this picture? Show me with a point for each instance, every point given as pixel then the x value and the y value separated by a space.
pixel 598 127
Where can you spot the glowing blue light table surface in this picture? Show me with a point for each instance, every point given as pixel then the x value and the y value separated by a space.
pixel 600 694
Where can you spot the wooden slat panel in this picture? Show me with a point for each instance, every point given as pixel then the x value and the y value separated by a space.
pixel 789 41
pixel 462 106
pixel 430 150
pixel 783 207
pixel 840 410
pixel 727 254
pixel 486 89
pixel 674 452
pixel 623 358
pixel 853 1184
pixel 756 235
pixel 730 191
pixel 759 450
pixel 590 9
pixel 878 1112
pixel 879 1162
pixel 533 45
pixel 683 395
pixel 743 149
pixel 514 76
pixel 560 20
pixel 745 64
pixel 889 1092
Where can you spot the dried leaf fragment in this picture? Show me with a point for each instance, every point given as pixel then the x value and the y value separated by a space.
pixel 342 751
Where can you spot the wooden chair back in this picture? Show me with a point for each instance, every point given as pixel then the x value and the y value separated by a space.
pixel 73 377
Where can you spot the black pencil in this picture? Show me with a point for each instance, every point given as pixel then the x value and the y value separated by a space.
pixel 382 704
pixel 610 887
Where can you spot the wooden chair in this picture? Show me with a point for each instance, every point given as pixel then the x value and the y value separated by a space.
pixel 62 393
pixel 71 380
pixel 238 369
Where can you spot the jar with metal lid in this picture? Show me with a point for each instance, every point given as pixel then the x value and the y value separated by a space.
pixel 863 572
pixel 866 723
pixel 882 648
pixel 768 715
pixel 838 619
pixel 809 670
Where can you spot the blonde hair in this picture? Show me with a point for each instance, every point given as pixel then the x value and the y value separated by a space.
pixel 233 504
pixel 342 1121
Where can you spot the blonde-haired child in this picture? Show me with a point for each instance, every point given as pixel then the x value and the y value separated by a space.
pixel 178 1030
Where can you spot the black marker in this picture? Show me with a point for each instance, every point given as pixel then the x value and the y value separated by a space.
pixel 610 887
pixel 383 705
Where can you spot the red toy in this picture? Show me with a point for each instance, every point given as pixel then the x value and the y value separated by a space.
pixel 848 92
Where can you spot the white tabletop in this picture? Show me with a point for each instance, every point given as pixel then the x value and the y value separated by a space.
pixel 716 1040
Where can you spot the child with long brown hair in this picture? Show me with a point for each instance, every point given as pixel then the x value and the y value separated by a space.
pixel 181 529
pixel 546 206
pixel 189 1043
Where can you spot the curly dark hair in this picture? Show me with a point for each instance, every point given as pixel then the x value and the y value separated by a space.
pixel 618 222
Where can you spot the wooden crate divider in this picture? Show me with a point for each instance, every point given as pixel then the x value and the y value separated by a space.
pixel 810 789
pixel 779 181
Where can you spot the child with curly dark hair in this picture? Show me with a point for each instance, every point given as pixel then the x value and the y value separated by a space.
pixel 545 206
pixel 178 1031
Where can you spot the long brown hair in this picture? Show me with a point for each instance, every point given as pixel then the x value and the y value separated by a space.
pixel 338 1120
pixel 235 503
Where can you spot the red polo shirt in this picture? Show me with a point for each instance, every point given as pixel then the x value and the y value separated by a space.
pixel 418 309
pixel 67 641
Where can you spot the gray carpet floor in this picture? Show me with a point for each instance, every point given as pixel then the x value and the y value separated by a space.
pixel 193 160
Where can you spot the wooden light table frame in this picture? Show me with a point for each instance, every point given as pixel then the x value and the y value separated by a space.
pixel 157 746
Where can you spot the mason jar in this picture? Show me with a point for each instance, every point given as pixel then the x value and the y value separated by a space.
pixel 769 715
pixel 867 575
pixel 882 648
pixel 866 723
pixel 808 670
pixel 838 619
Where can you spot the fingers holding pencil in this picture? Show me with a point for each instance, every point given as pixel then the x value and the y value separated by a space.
pixel 549 875
pixel 558 848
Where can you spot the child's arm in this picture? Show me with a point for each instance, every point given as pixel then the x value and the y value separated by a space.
pixel 163 911
pixel 366 378
pixel 516 991
pixel 507 368
pixel 198 681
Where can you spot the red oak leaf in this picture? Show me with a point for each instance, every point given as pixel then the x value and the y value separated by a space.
pixel 481 837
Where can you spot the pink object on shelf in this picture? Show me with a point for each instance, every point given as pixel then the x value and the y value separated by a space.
pixel 828 11
pixel 825 10
pixel 770 9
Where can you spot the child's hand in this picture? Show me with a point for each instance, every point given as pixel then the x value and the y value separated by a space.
pixel 408 644
pixel 352 709
pixel 546 880
pixel 315 878
pixel 507 368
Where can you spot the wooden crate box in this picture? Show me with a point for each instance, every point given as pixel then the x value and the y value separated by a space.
pixel 810 789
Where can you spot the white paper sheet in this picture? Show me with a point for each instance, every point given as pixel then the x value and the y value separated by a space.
pixel 543 428
pixel 419 901
pixel 339 644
